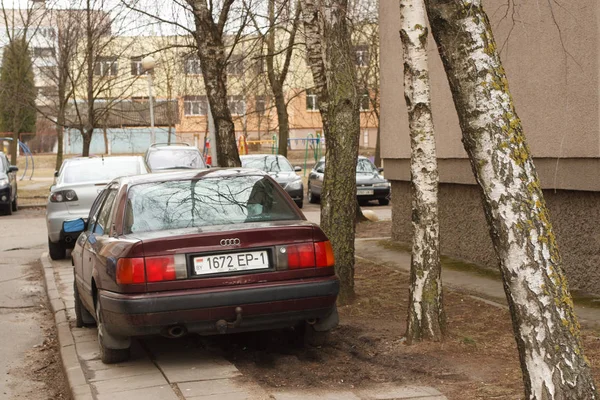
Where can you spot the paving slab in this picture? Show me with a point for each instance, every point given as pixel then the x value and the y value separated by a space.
pixel 390 391
pixel 197 367
pixel 151 379
pixel 315 395
pixel 164 392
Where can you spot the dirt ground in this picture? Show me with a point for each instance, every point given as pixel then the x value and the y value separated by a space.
pixel 42 363
pixel 477 360
pixel 370 229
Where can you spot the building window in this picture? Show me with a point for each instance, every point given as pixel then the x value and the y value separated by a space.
pixel 105 66
pixel 136 66
pixel 44 52
pixel 46 91
pixel 237 105
pixel 192 66
pixel 235 66
pixel 365 102
pixel 361 55
pixel 311 101
pixel 48 71
pixel 261 105
pixel 195 105
pixel 47 32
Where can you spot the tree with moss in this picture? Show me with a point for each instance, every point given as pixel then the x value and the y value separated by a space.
pixel 17 92
pixel 544 322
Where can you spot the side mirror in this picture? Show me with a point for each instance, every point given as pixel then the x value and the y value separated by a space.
pixel 73 226
pixel 297 169
pixel 380 169
pixel 56 174
pixel 13 168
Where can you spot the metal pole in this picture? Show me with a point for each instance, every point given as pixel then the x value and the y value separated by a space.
pixel 152 135
pixel 212 136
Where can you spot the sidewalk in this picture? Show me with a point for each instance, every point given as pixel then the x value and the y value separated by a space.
pixel 167 369
pixel 484 288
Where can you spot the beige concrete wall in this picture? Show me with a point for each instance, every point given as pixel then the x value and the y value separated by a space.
pixel 464 234
pixel 553 73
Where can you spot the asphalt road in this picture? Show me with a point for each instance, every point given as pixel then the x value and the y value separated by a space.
pixel 22 295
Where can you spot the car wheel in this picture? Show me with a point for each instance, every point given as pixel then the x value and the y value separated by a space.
pixel 14 205
pixel 108 355
pixel 299 203
pixel 82 316
pixel 8 209
pixel 311 197
pixel 384 202
pixel 57 250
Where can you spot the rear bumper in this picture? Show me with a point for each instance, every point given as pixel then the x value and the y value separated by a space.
pixel 55 216
pixel 378 193
pixel 269 306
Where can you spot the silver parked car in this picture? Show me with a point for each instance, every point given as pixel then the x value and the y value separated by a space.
pixel 77 185
pixel 163 157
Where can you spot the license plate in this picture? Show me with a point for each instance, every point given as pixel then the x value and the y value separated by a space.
pixel 232 262
pixel 365 192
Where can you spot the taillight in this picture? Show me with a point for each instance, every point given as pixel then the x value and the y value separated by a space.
pixel 130 270
pixel 301 255
pixel 63 195
pixel 151 269
pixel 324 254
pixel 160 269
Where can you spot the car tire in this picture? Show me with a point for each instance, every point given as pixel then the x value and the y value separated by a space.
pixel 8 209
pixel 384 202
pixel 57 250
pixel 108 355
pixel 82 316
pixel 299 203
pixel 15 205
pixel 312 199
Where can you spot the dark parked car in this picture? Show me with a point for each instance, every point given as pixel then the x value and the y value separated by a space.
pixel 281 170
pixel 370 185
pixel 163 157
pixel 8 186
pixel 209 252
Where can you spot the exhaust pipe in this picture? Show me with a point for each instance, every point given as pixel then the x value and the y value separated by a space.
pixel 311 321
pixel 176 331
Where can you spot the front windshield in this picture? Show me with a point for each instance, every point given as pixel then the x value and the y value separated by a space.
pixel 196 203
pixel 268 163
pixel 100 169
pixel 365 167
pixel 175 159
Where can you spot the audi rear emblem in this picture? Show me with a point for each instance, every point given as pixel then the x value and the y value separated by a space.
pixel 230 242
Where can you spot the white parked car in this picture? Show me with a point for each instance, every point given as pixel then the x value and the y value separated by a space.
pixel 78 183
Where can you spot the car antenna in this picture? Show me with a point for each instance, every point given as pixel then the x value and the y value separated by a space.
pixel 102 159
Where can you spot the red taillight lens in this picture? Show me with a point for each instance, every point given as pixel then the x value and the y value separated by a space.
pixel 160 269
pixel 301 255
pixel 324 254
pixel 130 270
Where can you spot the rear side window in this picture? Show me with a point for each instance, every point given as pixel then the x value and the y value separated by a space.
pixel 205 202
pixel 104 218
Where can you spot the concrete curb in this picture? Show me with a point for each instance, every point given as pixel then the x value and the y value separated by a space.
pixel 31 206
pixel 80 389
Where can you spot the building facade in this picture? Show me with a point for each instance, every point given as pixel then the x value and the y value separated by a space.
pixel 552 57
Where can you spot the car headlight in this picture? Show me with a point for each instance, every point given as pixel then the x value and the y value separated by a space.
pixel 382 184
pixel 3 182
pixel 294 185
pixel 63 195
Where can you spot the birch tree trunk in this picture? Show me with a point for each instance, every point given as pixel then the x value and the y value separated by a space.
pixel 426 318
pixel 333 69
pixel 211 51
pixel 544 323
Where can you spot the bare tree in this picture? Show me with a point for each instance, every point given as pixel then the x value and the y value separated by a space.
pixel 545 326
pixel 332 64
pixel 426 318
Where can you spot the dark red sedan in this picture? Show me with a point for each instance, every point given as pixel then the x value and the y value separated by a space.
pixel 208 252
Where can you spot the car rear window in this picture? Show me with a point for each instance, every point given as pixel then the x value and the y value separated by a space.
pixel 100 169
pixel 175 159
pixel 268 163
pixel 167 205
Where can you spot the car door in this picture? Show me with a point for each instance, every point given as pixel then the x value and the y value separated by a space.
pixel 77 253
pixel 316 178
pixel 96 229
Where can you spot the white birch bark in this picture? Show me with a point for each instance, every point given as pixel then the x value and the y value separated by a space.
pixel 544 323
pixel 426 319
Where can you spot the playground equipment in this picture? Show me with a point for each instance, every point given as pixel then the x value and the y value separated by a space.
pixel 315 144
pixel 206 152
pixel 28 157
pixel 242 145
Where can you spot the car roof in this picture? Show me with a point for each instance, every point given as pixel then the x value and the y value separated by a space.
pixel 173 147
pixel 261 155
pixel 188 175
pixel 96 158
pixel 359 157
